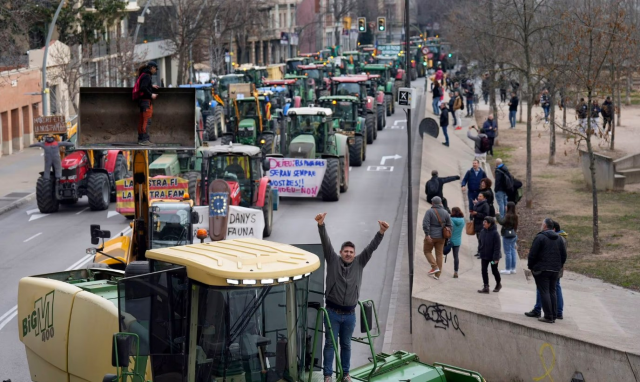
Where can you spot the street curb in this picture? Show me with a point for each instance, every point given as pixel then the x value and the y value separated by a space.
pixel 17 203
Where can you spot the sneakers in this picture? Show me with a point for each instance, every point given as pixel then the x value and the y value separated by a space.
pixel 505 272
pixel 455 275
pixel 445 144
pixel 534 313
pixel 497 288
pixel 435 277
pixel 459 128
pixel 433 270
pixel 513 271
pixel 327 378
pixel 484 290
pixel 346 378
pixel 145 143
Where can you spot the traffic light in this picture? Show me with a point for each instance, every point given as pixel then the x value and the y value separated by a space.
pixel 450 55
pixel 382 24
pixel 362 24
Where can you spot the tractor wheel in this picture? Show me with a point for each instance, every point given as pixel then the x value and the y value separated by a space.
pixel 380 117
pixel 226 139
pixel 268 147
pixel 388 101
pixel 344 172
pixel 356 152
pixel 46 195
pixel 211 127
pixel 331 183
pixel 98 191
pixel 119 172
pixel 370 124
pixel 192 177
pixel 218 116
pixel 267 210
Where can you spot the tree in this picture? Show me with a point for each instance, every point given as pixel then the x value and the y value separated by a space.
pixel 339 9
pixel 13 32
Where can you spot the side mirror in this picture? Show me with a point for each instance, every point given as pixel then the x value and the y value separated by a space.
pixel 120 350
pixel 342 124
pixel 97 234
pixel 266 165
pixel 195 217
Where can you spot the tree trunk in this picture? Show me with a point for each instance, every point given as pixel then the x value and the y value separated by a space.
pixel 552 128
pixel 619 102
pixel 529 188
pixel 627 100
pixel 520 96
pixel 180 68
pixel 594 189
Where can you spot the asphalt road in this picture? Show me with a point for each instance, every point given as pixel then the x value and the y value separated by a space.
pixel 34 243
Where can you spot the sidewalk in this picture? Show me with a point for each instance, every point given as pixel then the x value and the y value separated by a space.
pixel 18 177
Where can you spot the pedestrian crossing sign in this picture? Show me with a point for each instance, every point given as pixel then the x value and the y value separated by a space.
pixel 406 98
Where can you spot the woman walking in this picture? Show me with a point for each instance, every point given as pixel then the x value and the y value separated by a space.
pixel 509 233
pixel 485 186
pixel 490 253
pixel 479 212
pixel 457 221
pixel 437 93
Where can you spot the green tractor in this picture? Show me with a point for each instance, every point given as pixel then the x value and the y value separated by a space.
pixel 353 61
pixel 386 84
pixel 356 85
pixel 212 110
pixel 347 122
pixel 309 134
pixel 305 88
pixel 254 74
pixel 293 63
pixel 251 123
pixel 320 75
pixel 180 163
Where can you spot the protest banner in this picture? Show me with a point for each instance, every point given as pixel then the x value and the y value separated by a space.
pixel 160 187
pixel 297 177
pixel 243 222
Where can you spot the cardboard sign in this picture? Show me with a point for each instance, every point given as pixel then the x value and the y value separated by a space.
pixel 297 177
pixel 160 187
pixel 52 124
pixel 243 222
pixel 389 50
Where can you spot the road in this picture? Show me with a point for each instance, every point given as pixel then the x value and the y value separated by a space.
pixel 34 243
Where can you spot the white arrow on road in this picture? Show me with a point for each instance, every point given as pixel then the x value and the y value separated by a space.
pixel 35 215
pixel 384 159
pixel 399 121
pixel 112 214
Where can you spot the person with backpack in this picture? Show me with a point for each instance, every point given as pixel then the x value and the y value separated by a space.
pixel 434 186
pixel 472 179
pixel 482 143
pixel 458 222
pixel 458 106
pixel 490 127
pixel 504 185
pixel 509 233
pixel 144 92
pixel 436 225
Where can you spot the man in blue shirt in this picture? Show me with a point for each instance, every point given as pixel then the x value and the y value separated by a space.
pixel 473 177
pixel 490 127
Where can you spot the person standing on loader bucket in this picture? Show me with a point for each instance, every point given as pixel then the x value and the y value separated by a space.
pixel 51 149
pixel 144 92
pixel 344 279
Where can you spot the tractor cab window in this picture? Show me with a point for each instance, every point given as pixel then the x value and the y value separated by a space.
pixel 201 98
pixel 348 88
pixel 226 81
pixel 371 88
pixel 170 224
pixel 233 168
pixel 312 73
pixel 247 108
pixel 307 124
pixel 386 61
pixel 292 66
pixel 342 110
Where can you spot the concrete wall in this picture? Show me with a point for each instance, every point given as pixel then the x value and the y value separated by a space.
pixel 627 162
pixel 505 351
pixel 605 170
pixel 17 109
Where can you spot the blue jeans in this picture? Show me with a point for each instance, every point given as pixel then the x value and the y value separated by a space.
pixel 342 326
pixel 538 306
pixel 509 245
pixel 546 112
pixel 512 118
pixel 501 198
pixel 434 104
pixel 446 136
pixel 469 107
pixel 453 114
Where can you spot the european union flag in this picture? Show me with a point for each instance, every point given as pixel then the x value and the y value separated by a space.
pixel 218 204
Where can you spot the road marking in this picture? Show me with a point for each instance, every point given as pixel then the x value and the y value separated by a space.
pixel 400 121
pixel 5 322
pixel 37 216
pixel 385 158
pixel 8 313
pixel 350 168
pixel 81 211
pixel 380 168
pixel 33 237
pixel 79 262
pixel 396 127
pixel 33 211
pixel 111 214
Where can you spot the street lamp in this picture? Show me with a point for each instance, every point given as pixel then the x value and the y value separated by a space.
pixel 45 90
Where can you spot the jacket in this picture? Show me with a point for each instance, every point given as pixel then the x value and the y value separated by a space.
pixel 473 179
pixel 344 280
pixel 607 109
pixel 456 235
pixel 581 110
pixel 490 244
pixel 441 182
pixel 482 211
pixel 444 117
pixel 501 173
pixel 437 92
pixel 547 253
pixel 478 141
pixel 430 224
pixel 470 93
pixel 513 104
pixel 595 111
pixel 544 100
pixel 146 85
pixel 490 198
pixel 452 102
pixel 457 104
pixel 490 127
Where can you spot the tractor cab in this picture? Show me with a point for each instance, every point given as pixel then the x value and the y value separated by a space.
pixel 310 131
pixel 284 88
pixel 171 222
pixel 353 61
pixel 347 121
pixel 368 54
pixel 255 74
pixel 293 63
pixel 305 88
pixel 228 79
pixel 252 121
pixel 317 72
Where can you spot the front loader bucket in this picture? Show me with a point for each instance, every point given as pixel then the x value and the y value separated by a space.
pixel 108 118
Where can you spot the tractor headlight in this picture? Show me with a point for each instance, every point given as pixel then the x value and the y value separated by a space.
pixel 73 177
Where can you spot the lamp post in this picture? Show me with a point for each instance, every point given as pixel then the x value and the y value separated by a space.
pixel 45 89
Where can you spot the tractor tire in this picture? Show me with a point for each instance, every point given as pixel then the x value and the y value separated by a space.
pixel 331 182
pixel 226 139
pixel 370 123
pixel 192 177
pixel 388 101
pixel 381 117
pixel 218 116
pixel 120 171
pixel 46 196
pixel 267 210
pixel 356 152
pixel 211 128
pixel 98 191
pixel 269 144
pixel 344 172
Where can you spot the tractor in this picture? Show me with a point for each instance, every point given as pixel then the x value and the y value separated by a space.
pixel 377 93
pixel 305 87
pixel 310 134
pixel 289 89
pixel 353 62
pixel 293 63
pixel 84 172
pixel 386 84
pixel 319 73
pixel 255 74
pixel 347 122
pixel 212 109
pixel 278 94
pixel 355 85
pixel 236 310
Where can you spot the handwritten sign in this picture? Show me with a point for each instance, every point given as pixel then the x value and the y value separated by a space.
pixel 389 50
pixel 243 222
pixel 160 187
pixel 297 177
pixel 52 124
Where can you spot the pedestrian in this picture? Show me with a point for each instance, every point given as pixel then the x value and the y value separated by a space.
pixel 581 112
pixel 162 82
pixel 485 88
pixel 546 258
pixel 490 254
pixel 458 223
pixel 436 91
pixel 595 118
pixel 481 145
pixel 436 220
pixel 536 311
pixel 344 279
pixel 509 233
pixel 444 122
pixel 452 101
pixel 144 93
pixel 471 182
pixel 458 106
pixel 490 127
pixel 503 89
pixel 439 76
pixel 485 187
pixel 607 115
pixel 448 82
pixel 479 212
pixel 545 103
pixel 51 147
pixel 515 85
pixel 470 91
pixel 434 186
pixel 513 108
pixel 503 186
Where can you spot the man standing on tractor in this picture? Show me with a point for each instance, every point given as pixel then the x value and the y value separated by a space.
pixel 344 279
pixel 144 91
pixel 51 149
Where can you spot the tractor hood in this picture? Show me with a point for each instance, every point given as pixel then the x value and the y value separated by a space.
pixel 247 124
pixel 162 165
pixel 74 160
pixel 303 146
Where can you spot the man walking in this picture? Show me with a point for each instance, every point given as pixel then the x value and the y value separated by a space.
pixel 452 101
pixel 503 89
pixel 504 185
pixel 344 279
pixel 470 97
pixel 595 118
pixel 581 111
pixel 472 178
pixel 458 106
pixel 545 102
pixel 434 186
pixel 490 127
pixel 435 221
pixel 513 108
pixel 607 115
pixel 546 258
pixel 481 145
pixel 144 92
pixel 444 122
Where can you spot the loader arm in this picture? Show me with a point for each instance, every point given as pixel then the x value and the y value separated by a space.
pixel 140 236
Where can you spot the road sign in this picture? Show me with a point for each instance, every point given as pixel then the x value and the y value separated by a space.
pixel 52 124
pixel 227 58
pixel 406 98
pixel 425 50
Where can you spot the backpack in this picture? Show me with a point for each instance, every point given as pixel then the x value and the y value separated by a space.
pixel 517 187
pixel 485 144
pixel 431 189
pixel 461 104
pixel 136 93
pixel 508 180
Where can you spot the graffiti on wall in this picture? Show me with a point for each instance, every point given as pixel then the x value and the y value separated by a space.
pixel 543 361
pixel 440 316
